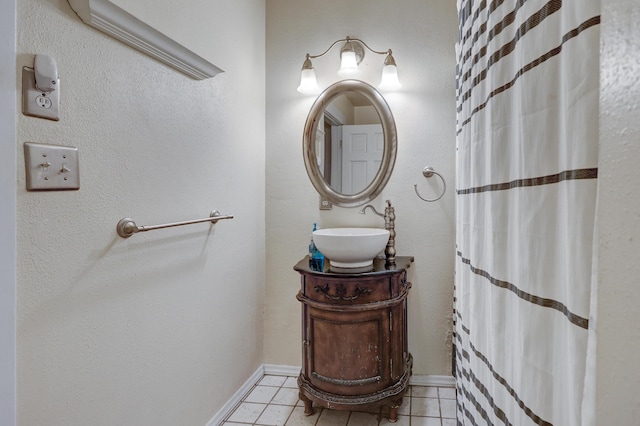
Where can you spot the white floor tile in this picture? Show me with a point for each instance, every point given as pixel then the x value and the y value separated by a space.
pixel 448 408
pixel 275 415
pixel 270 380
pixel 291 382
pixel 275 402
pixel 425 421
pixel 261 394
pixel 333 418
pixel 424 391
pixel 298 418
pixel 428 407
pixel 448 393
pixel 286 396
pixel 247 412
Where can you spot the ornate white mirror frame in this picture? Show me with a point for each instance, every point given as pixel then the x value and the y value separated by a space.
pixel 118 23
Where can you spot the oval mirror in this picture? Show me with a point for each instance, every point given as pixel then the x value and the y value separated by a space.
pixel 349 143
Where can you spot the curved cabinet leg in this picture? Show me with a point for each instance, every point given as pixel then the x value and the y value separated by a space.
pixel 393 410
pixel 308 404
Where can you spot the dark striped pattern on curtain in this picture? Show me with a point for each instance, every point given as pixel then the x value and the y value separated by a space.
pixel 526 181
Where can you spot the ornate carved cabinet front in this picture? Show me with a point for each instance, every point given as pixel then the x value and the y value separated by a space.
pixel 354 337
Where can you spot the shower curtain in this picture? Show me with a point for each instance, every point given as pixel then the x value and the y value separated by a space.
pixel 526 181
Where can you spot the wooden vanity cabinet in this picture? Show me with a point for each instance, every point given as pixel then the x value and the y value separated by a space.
pixel 354 337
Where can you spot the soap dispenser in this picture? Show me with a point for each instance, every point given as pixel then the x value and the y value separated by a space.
pixel 316 259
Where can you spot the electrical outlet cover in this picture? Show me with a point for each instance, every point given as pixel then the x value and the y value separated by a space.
pixel 51 167
pixel 36 103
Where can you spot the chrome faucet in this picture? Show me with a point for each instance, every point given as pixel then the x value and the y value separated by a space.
pixel 389 224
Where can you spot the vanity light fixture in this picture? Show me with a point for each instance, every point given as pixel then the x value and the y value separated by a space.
pixel 351 55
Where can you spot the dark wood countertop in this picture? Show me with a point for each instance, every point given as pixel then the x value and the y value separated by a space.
pixel 379 268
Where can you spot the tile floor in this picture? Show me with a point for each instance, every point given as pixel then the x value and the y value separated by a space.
pixel 274 401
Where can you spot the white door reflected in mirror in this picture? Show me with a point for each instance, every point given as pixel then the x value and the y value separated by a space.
pixel 350 145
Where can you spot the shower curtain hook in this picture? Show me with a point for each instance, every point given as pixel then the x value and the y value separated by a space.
pixel 427 172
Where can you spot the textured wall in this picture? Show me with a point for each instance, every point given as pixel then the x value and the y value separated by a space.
pixel 8 36
pixel 618 334
pixel 142 331
pixel 422 36
pixel 113 330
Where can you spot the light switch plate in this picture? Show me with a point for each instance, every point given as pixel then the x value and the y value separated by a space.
pixel 51 167
pixel 36 103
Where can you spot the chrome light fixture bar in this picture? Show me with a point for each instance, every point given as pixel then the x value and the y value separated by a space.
pixel 351 55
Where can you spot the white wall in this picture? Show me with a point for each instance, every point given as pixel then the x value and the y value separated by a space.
pixel 7 214
pixel 618 316
pixel 422 37
pixel 145 330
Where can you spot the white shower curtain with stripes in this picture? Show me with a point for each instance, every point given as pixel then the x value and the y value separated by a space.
pixel 526 181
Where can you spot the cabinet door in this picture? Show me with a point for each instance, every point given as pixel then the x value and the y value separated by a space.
pixel 348 352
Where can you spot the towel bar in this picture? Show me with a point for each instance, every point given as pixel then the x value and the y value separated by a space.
pixel 127 227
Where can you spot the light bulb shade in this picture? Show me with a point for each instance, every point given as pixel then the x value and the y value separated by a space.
pixel 348 61
pixel 389 74
pixel 308 83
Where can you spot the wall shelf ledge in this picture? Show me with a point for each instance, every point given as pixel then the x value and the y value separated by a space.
pixel 120 24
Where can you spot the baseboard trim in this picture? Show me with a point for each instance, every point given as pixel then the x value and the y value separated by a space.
pixel 293 371
pixel 281 370
pixel 430 380
pixel 237 397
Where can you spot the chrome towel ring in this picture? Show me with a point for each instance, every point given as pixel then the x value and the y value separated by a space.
pixel 428 172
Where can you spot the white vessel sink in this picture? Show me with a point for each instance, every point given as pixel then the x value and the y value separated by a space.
pixel 351 247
